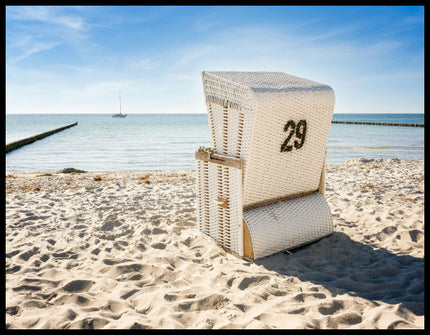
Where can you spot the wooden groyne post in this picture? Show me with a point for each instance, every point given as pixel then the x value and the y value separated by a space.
pixel 18 144
pixel 381 123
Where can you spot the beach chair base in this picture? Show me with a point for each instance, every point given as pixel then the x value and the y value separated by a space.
pixel 257 230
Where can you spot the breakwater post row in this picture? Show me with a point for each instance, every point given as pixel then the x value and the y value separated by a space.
pixel 381 123
pixel 18 144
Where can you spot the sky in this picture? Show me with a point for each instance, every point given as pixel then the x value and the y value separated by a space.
pixel 76 59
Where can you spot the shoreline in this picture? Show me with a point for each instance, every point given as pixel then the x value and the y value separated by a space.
pixel 122 250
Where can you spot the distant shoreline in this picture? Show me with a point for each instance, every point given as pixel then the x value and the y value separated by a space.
pixel 381 123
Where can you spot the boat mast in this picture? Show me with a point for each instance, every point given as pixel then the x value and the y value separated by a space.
pixel 120 102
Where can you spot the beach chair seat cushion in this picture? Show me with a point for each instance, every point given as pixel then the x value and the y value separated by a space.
pixel 288 224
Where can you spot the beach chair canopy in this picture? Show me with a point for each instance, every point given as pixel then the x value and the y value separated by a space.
pixel 276 123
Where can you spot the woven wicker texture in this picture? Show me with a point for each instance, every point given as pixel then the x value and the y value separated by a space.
pixel 224 225
pixel 288 224
pixel 248 112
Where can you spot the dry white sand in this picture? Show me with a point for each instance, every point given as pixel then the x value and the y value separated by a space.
pixel 125 252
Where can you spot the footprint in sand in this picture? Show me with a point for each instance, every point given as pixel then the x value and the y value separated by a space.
pixel 127 268
pixel 27 288
pixel 213 301
pixel 386 232
pixel 170 297
pixel 70 315
pixel 416 235
pixel 13 253
pixel 141 247
pixel 331 307
pixel 252 281
pixel 13 269
pixel 159 246
pixel 297 311
pixel 90 323
pixel 302 297
pixel 65 255
pixel 109 261
pixel 96 251
pixel 137 325
pixel 242 307
pixel 157 231
pixel 348 319
pixel 51 241
pixel 129 294
pixel 28 254
pixel 44 258
pixel 78 286
pixel 82 301
pixel 13 310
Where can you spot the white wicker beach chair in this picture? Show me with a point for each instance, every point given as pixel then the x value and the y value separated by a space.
pixel 260 187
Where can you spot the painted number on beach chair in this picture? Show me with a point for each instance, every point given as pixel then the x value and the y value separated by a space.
pixel 299 131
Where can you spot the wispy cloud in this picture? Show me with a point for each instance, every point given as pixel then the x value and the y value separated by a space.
pixel 194 53
pixel 38 28
pixel 413 20
pixel 204 23
pixel 397 76
pixel 45 14
pixel 142 64
pixel 339 32
pixel 94 90
pixel 33 48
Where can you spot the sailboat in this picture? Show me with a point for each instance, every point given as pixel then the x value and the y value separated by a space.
pixel 119 114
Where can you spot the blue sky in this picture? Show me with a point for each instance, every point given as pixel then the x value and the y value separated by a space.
pixel 76 59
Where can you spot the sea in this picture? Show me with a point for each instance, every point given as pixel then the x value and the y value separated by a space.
pixel 148 142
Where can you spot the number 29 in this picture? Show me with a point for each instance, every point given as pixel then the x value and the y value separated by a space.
pixel 299 131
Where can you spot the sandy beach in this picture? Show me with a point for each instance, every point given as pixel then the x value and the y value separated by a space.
pixel 123 250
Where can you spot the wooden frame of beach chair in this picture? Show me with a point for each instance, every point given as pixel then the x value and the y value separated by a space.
pixel 260 187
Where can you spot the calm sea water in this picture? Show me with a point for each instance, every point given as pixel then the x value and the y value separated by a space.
pixel 142 142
